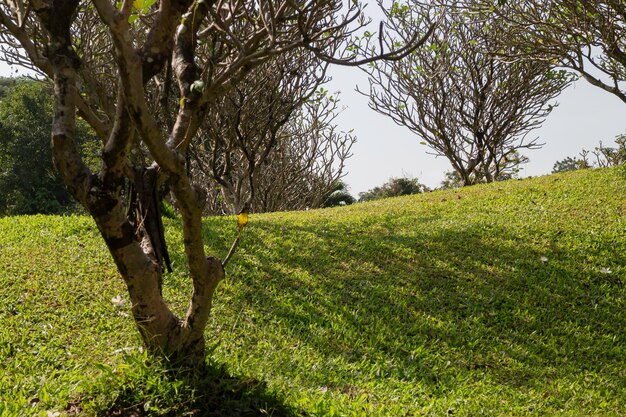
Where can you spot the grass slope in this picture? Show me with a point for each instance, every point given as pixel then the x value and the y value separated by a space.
pixel 503 299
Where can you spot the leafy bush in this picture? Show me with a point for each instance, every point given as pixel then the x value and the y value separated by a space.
pixel 393 188
pixel 339 195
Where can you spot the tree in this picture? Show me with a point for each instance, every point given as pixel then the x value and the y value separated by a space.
pixel 393 188
pixel 567 164
pixel 584 36
pixel 309 159
pixel 339 195
pixel 464 101
pixel 29 183
pixel 305 169
pixel 115 64
pixel 305 158
pixel 270 143
pixel 608 156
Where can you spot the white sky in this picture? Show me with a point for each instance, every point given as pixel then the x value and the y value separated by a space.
pixel 585 116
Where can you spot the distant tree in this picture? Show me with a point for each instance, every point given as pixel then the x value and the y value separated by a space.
pixel 272 143
pixel 451 180
pixel 338 195
pixel 600 157
pixel 309 159
pixel 610 156
pixel 29 182
pixel 567 164
pixel 243 131
pixel 393 188
pixel 6 83
pixel 463 100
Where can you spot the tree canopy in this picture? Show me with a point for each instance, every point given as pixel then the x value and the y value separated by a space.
pixel 584 36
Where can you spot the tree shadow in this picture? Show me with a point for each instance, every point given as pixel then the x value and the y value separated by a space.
pixel 207 390
pixel 494 306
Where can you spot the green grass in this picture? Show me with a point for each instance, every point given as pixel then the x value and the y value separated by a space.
pixel 503 299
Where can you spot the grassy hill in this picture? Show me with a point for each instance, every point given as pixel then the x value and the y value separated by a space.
pixel 503 299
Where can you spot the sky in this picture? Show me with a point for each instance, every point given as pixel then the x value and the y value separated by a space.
pixel 585 115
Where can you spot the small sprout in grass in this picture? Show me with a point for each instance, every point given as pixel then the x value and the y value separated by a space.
pixel 544 259
pixel 118 301
pixel 606 271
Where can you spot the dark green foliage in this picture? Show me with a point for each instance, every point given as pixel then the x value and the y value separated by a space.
pixel 29 182
pixel 339 195
pixel 568 164
pixel 504 299
pixel 393 188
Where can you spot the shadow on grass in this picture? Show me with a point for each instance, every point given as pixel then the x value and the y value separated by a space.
pixel 515 307
pixel 206 391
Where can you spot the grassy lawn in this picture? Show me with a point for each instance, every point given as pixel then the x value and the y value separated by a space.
pixel 503 299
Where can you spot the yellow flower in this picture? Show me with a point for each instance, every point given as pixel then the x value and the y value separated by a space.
pixel 242 219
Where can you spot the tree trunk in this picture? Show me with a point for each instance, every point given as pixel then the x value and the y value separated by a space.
pixel 162 332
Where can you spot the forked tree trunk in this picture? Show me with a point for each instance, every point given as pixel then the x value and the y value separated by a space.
pixel 261 31
pixel 162 332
